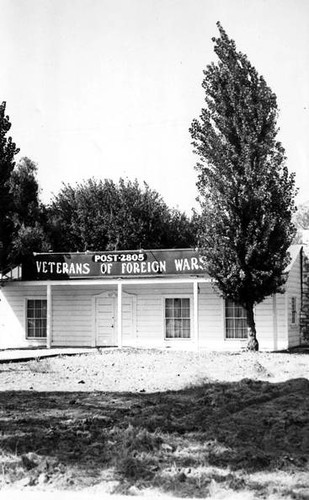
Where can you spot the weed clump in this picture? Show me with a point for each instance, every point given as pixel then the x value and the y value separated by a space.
pixel 39 365
pixel 136 456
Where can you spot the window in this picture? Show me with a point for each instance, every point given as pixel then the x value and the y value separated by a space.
pixel 235 321
pixel 177 318
pixel 293 311
pixel 36 318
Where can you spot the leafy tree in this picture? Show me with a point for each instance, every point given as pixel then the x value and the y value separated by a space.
pixel 28 239
pixel 25 191
pixel 183 230
pixel 28 214
pixel 77 218
pixel 103 215
pixel 246 192
pixel 8 150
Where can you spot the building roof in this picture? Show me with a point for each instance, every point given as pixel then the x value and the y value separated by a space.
pixel 293 251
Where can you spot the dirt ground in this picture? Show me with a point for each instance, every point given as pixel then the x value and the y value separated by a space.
pixel 159 423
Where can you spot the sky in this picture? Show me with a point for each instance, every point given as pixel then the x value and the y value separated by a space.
pixel 109 88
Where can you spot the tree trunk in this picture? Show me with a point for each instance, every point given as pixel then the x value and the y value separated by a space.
pixel 253 344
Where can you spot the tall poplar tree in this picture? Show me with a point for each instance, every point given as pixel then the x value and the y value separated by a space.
pixel 8 151
pixel 246 192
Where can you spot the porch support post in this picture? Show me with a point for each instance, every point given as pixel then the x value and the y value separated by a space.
pixel 119 313
pixel 49 316
pixel 195 314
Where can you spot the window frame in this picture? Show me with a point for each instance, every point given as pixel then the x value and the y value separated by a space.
pixel 30 337
pixel 233 339
pixel 177 296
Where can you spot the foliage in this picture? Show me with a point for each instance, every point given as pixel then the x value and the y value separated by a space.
pixel 8 150
pixel 28 215
pixel 103 215
pixel 246 192
pixel 25 189
pixel 21 214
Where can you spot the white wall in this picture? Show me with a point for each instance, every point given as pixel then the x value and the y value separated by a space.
pixel 293 287
pixel 150 313
pixel 73 315
pixel 13 315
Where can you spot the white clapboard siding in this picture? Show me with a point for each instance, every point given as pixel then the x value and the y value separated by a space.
pixel 72 319
pixel 282 326
pixel 128 320
pixel 211 316
pixel 293 288
pixel 13 315
pixel 265 322
pixel 150 310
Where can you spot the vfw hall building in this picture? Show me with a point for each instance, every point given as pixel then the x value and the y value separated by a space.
pixel 146 298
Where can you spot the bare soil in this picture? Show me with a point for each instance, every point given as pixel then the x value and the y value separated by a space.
pixel 157 422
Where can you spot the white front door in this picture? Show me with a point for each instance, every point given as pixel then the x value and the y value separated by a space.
pixel 107 320
pixel 106 334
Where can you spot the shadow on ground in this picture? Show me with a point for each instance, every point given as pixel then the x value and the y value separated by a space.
pixel 177 441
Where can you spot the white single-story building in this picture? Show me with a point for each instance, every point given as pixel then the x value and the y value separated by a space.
pixel 146 298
